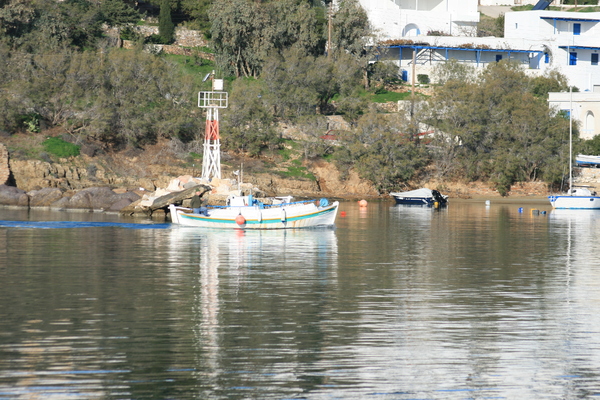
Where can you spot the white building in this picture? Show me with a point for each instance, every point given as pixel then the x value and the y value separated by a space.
pixel 585 107
pixel 541 40
pixel 512 3
pixel 393 19
pixel 570 42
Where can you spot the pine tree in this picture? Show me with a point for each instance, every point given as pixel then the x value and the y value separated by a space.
pixel 166 28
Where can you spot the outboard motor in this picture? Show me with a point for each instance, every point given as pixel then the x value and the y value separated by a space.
pixel 437 196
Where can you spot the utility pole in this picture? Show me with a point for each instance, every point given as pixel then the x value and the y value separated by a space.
pixel 329 27
pixel 412 94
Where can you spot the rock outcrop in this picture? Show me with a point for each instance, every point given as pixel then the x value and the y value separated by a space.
pixel 95 198
pixel 100 198
pixel 4 169
pixel 12 196
pixel 45 197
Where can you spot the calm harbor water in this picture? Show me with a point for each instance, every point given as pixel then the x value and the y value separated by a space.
pixel 467 302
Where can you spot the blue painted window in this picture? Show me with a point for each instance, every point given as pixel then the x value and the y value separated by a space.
pixel 498 57
pixel 546 58
pixel 576 29
pixel 572 58
pixel 594 58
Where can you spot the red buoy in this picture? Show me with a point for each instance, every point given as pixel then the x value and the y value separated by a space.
pixel 240 220
pixel 343 214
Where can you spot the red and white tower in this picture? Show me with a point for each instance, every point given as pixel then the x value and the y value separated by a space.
pixel 212 101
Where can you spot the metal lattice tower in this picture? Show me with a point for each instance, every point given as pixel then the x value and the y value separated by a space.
pixel 212 101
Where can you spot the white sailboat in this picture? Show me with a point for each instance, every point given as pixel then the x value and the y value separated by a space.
pixel 580 197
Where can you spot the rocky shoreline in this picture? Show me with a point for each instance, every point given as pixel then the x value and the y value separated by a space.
pixel 94 184
pixel 139 183
pixel 137 202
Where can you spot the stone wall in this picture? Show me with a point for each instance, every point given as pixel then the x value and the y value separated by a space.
pixel 183 36
pixel 587 177
pixel 170 49
pixel 83 173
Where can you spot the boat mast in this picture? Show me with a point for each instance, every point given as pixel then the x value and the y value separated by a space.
pixel 571 141
pixel 212 101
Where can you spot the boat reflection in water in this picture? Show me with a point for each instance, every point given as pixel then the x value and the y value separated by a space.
pixel 578 237
pixel 233 267
pixel 581 228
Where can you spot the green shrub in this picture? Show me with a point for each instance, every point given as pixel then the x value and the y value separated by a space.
pixel 31 122
pixel 390 96
pixel 156 39
pixel 423 79
pixel 129 33
pixel 59 148
pixel 298 172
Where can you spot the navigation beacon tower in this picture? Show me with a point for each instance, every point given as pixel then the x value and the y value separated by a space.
pixel 212 101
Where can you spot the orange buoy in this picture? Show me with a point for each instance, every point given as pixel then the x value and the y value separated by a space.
pixel 362 203
pixel 343 214
pixel 240 220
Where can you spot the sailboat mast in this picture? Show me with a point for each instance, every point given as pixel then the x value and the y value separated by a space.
pixel 571 142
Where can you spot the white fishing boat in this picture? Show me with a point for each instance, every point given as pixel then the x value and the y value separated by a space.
pixel 246 212
pixel 576 197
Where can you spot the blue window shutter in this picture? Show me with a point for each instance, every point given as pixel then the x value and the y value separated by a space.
pixel 546 58
pixel 594 58
pixel 498 57
pixel 576 29
pixel 572 58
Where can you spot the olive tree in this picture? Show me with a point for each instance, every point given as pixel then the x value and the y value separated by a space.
pixel 248 123
pixel 380 150
pixel 244 32
pixel 495 128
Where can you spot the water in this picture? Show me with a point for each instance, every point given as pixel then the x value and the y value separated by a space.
pixel 468 302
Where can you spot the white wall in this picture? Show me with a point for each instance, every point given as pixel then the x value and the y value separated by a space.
pixel 394 19
pixel 586 110
pixel 524 30
pixel 557 37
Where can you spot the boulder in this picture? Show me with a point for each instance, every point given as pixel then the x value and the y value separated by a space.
pixel 148 205
pixel 44 197
pixel 12 196
pixel 120 204
pixel 94 198
pixel 61 203
pixel 102 198
pixel 130 195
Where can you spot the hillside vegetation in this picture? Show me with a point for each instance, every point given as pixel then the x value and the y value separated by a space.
pixel 62 76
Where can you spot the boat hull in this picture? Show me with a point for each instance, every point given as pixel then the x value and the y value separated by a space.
pixel 587 161
pixel 575 202
pixel 291 216
pixel 414 201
